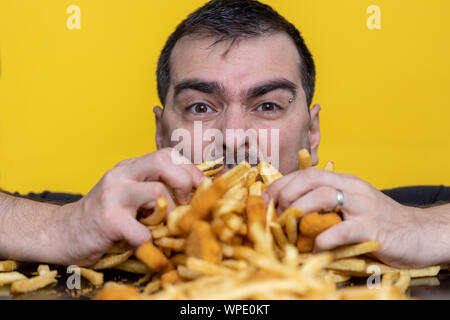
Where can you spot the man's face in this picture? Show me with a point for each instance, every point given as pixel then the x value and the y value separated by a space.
pixel 253 84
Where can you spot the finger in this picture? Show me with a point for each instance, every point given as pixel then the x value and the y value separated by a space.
pixel 134 232
pixel 344 233
pixel 307 181
pixel 180 161
pixel 145 194
pixel 322 199
pixel 274 189
pixel 159 167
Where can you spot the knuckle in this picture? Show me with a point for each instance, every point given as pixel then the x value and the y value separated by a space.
pixel 359 184
pixel 311 174
pixel 157 189
pixel 110 177
pixel 325 193
pixel 160 156
pixel 185 183
pixel 284 199
pixel 106 195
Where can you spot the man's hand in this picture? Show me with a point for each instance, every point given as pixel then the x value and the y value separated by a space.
pixel 107 213
pixel 411 237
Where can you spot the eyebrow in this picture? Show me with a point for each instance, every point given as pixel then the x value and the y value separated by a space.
pixel 212 87
pixel 272 85
pixel 208 87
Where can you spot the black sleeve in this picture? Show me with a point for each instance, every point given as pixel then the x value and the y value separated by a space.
pixel 50 197
pixel 420 195
pixel 413 196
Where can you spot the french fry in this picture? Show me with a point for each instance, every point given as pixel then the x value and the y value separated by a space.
pixel 237 265
pixel 243 230
pixel 256 213
pixel 226 206
pixel 233 222
pixel 151 256
pixel 179 259
pixel 110 262
pixel 304 159
pixel 113 291
pixel 329 166
pixel 187 274
pixel 278 234
pixel 152 287
pixel 142 280
pixel 413 273
pixel 291 228
pixel 256 189
pixel 356 250
pixel 118 248
pixel 43 269
pixel 338 277
pixel 171 243
pixel 403 282
pixel 210 164
pixel 94 277
pixel 8 266
pixel 206 183
pixel 202 203
pixel 10 277
pixel 33 284
pixel 160 232
pixel 353 266
pixel 268 172
pixel 251 177
pixel 236 175
pixel 173 220
pixel 170 278
pixel 133 266
pixel 263 242
pixel 314 224
pixel 205 267
pixel 271 215
pixel 203 244
pixel 213 172
pixel 238 193
pixel 426 282
pixel 287 213
pixel 221 230
pixel 159 212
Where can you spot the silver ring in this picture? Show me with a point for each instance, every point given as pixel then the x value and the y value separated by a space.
pixel 340 200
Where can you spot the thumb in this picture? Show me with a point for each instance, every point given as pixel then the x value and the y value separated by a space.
pixel 134 232
pixel 344 233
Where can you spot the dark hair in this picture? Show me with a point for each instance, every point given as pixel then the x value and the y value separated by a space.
pixel 234 20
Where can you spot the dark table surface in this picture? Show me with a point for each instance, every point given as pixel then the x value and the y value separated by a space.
pixel 435 288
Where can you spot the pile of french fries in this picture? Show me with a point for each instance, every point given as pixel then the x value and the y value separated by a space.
pixel 227 244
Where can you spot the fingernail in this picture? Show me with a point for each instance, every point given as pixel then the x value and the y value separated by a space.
pixel 187 199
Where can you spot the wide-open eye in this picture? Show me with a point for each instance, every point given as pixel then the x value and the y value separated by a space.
pixel 268 107
pixel 199 108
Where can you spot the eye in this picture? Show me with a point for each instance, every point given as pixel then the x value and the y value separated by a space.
pixel 200 108
pixel 268 107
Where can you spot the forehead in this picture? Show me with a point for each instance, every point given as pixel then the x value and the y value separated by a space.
pixel 236 65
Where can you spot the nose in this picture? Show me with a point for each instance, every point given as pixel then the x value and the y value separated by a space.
pixel 234 128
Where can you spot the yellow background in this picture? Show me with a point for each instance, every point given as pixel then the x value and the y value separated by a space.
pixel 73 103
